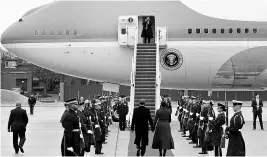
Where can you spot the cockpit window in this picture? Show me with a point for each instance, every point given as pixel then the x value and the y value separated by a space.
pixel 230 30
pixel 222 31
pixel 238 30
pixel 198 31
pixel 246 30
pixel 206 30
pixel 214 30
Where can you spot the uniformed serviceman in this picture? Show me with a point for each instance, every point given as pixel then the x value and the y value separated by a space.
pixel 190 123
pixel 180 113
pixel 71 142
pixel 217 130
pixel 123 110
pixel 98 128
pixel 203 125
pixel 169 104
pixel 185 116
pixel 197 131
pixel 194 116
pixel 236 144
pixel 187 119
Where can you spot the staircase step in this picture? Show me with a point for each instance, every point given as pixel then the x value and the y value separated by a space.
pixel 145 66
pixel 145 53
pixel 144 83
pixel 145 89
pixel 146 57
pixel 146 100
pixel 145 76
pixel 147 44
pixel 145 79
pixel 145 93
pixel 145 86
pixel 148 49
pixel 146 72
pixel 145 69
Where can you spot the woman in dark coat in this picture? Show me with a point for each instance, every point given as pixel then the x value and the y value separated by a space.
pixel 236 144
pixel 147 32
pixel 163 137
pixel 217 130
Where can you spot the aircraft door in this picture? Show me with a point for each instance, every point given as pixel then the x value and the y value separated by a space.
pixel 162 36
pixel 131 35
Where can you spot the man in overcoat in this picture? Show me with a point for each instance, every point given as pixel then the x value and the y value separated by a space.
pixel 141 117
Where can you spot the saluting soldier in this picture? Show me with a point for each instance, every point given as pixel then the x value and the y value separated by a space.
pixel 71 142
pixel 236 144
pixel 217 130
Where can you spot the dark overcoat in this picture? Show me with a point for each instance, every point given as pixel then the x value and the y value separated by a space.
pixel 217 129
pixel 18 120
pixel 147 31
pixel 163 137
pixel 236 144
pixel 141 117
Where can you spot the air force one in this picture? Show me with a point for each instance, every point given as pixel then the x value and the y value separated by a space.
pixel 98 40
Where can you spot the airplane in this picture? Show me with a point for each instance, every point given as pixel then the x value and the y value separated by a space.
pixel 91 39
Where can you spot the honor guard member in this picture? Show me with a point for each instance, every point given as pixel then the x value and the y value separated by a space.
pixel 236 143
pixel 89 123
pixel 86 130
pixel 194 117
pixel 211 117
pixel 70 123
pixel 190 122
pixel 169 103
pixel 188 108
pixel 197 124
pixel 184 115
pixel 180 112
pixel 98 128
pixel 123 111
pixel 217 129
pixel 203 125
pixel 81 100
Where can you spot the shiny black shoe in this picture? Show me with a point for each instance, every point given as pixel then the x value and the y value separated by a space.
pixel 196 147
pixel 99 153
pixel 21 149
pixel 188 139
pixel 138 152
pixel 184 136
pixel 262 128
pixel 17 151
pixel 191 142
pixel 180 130
pixel 202 152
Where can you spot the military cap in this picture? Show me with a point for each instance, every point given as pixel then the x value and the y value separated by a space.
pixel 237 102
pixel 81 103
pixel 222 106
pixel 182 97
pixel 142 101
pixel 71 101
pixel 186 96
pixel 122 96
pixel 86 101
pixel 192 97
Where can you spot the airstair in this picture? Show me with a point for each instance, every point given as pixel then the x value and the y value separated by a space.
pixel 145 76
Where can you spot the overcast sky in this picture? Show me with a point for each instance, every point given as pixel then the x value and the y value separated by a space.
pixel 248 10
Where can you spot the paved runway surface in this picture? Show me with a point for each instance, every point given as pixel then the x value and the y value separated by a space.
pixel 44 134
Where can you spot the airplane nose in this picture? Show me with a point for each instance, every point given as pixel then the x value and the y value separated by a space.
pixel 11 34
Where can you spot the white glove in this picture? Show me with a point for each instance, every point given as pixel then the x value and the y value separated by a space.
pixel 184 109
pixel 191 113
pixel 197 114
pixel 109 117
pixel 210 118
pixel 97 126
pixel 201 118
pixel 89 132
pixel 180 107
pixel 70 149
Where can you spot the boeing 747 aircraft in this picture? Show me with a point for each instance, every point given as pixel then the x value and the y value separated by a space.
pixel 95 39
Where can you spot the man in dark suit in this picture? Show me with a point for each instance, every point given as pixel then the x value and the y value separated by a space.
pixel 31 102
pixel 141 117
pixel 257 110
pixel 123 110
pixel 18 121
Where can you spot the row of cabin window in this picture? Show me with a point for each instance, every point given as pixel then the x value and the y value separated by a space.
pixel 230 30
pixel 51 32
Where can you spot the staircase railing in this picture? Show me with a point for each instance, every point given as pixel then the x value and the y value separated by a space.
pixel 133 73
pixel 158 75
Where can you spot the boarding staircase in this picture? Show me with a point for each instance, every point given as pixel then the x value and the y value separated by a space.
pixel 145 80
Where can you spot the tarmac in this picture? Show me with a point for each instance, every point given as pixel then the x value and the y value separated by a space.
pixel 44 135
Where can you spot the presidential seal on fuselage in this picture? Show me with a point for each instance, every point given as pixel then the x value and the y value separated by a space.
pixel 171 59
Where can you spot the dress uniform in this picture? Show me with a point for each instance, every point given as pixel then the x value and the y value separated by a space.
pixel 217 130
pixel 197 131
pixel 191 120
pixel 98 129
pixel 185 116
pixel 180 113
pixel 236 144
pixel 71 142
pixel 123 110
